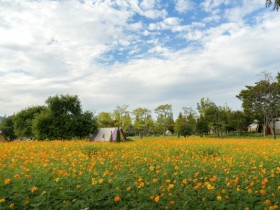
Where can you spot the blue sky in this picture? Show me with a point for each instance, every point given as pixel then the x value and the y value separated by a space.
pixel 143 53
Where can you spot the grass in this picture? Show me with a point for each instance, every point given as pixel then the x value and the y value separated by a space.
pixel 152 173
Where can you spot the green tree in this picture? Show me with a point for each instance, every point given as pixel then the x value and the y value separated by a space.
pixel 262 101
pixel 7 126
pixel 63 119
pixel 202 126
pixel 122 117
pixel 182 127
pixel 209 114
pixel 164 118
pixel 191 117
pixel 23 121
pixel 142 120
pixel 276 4
pixel 238 121
pixel 105 119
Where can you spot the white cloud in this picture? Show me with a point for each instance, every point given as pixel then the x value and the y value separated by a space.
pixel 184 5
pixel 49 47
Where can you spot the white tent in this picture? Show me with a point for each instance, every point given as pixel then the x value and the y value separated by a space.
pixel 107 134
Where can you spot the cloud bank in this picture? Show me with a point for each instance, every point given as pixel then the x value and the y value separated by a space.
pixel 138 52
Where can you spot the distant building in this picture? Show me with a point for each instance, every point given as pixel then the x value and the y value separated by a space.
pixel 257 127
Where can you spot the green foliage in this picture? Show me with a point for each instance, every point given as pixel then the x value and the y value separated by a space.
pixel 105 119
pixel 63 119
pixel 143 122
pixel 122 117
pixel 7 126
pixel 275 6
pixel 23 121
pixel 164 118
pixel 183 126
pixel 202 126
pixel 262 100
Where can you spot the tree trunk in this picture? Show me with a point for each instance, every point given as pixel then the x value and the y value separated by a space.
pixel 273 129
pixel 264 130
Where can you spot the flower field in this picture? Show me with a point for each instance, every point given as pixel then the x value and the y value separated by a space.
pixel 162 173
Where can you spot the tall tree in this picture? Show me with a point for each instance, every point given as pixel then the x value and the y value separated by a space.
pixel 191 116
pixel 63 119
pixel 7 126
pixel 23 121
pixel 164 117
pixel 105 119
pixel 122 117
pixel 276 4
pixel 209 114
pixel 182 127
pixel 262 101
pixel 142 118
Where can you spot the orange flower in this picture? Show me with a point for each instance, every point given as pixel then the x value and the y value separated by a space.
pixel 34 188
pixel 262 191
pixel 213 179
pixel 12 205
pixel 157 199
pixel 267 202
pixel 172 202
pixel 185 181
pixel 264 181
pixel 16 176
pixel 7 181
pixel 117 198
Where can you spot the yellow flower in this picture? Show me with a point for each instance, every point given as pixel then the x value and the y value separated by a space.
pixel 101 181
pixel 210 187
pixel 93 181
pixel 219 197
pixel 2 200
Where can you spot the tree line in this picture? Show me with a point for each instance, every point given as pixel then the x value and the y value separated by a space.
pixel 62 116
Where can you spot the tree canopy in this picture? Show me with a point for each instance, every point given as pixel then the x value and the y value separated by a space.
pixel 276 4
pixel 262 101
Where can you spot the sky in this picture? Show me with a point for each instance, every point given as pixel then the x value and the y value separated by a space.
pixel 142 53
